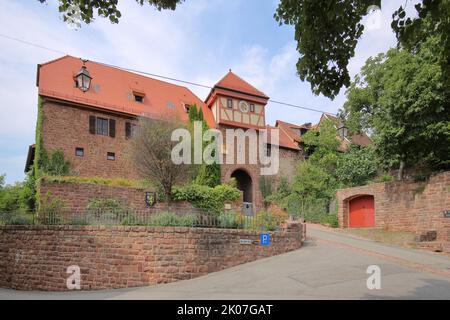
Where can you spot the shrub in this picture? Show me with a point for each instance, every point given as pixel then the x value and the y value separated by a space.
pixel 231 220
pixel 210 200
pixel 55 164
pixel 384 178
pixel 78 221
pixel 188 221
pixel 266 221
pixel 103 204
pixel 49 211
pixel 330 220
pixel 169 219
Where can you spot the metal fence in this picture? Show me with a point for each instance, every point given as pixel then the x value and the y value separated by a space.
pixel 114 217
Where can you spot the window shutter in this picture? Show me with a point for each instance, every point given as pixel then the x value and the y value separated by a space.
pixel 112 128
pixel 92 124
pixel 127 130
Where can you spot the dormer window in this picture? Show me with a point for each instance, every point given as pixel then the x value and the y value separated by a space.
pixel 229 103
pixel 83 78
pixel 252 107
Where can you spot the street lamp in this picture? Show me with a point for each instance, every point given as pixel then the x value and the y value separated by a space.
pixel 83 78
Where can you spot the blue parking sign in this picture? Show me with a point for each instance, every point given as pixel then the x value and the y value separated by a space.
pixel 264 239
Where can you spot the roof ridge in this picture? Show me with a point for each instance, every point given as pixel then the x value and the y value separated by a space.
pixel 244 81
pixel 136 73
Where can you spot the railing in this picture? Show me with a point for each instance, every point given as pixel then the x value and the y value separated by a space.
pixel 115 217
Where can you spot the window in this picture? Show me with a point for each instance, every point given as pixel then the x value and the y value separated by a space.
pixel 252 107
pixel 186 108
pixel 111 156
pixel 130 130
pixel 138 97
pixel 229 103
pixel 79 152
pixel 102 126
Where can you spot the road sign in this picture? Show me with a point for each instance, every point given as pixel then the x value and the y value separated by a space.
pixel 264 239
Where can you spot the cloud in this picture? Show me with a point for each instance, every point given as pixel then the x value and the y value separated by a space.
pixel 198 42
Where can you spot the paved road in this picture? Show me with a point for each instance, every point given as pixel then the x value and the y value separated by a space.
pixel 330 265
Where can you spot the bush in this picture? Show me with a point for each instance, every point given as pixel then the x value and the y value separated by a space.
pixel 384 178
pixel 268 221
pixel 210 200
pixel 16 218
pixel 231 220
pixel 55 164
pixel 78 221
pixel 330 220
pixel 169 219
pixel 49 211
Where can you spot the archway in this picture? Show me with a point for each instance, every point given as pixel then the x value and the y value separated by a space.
pixel 244 183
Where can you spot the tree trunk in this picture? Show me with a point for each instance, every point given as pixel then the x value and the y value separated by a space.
pixel 168 193
pixel 401 170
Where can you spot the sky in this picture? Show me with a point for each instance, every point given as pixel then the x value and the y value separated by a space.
pixel 199 41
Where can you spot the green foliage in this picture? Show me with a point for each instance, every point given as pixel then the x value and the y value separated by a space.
pixel 210 200
pixel 206 174
pixel 96 180
pixel 2 180
pixel 401 98
pixel 386 177
pixel 431 21
pixel 16 218
pixel 267 221
pixel 17 197
pixel 327 33
pixel 169 219
pixel 55 164
pixel 49 210
pixel 357 166
pixel 230 220
pixel 330 220
pixel 77 11
pixel 103 204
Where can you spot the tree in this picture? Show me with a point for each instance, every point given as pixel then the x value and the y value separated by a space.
pixel 207 174
pixel 327 33
pixel 77 11
pixel 400 97
pixel 315 179
pixel 151 152
pixel 322 143
pixel 357 166
pixel 2 180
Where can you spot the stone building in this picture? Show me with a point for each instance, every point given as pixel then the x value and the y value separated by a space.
pixel 90 110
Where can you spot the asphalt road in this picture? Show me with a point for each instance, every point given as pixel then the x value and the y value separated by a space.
pixel 330 265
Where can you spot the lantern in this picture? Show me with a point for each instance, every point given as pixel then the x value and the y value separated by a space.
pixel 83 78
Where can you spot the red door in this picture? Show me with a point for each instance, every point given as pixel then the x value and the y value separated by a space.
pixel 361 212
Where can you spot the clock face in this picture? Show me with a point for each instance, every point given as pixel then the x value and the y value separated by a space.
pixel 243 106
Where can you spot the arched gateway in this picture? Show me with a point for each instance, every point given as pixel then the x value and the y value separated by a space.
pixel 245 184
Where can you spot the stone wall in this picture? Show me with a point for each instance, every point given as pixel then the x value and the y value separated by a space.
pixel 66 128
pixel 37 257
pixel 76 196
pixel 416 207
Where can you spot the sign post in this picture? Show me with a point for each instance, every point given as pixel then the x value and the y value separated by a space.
pixel 264 239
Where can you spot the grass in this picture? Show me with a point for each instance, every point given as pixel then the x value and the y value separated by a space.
pixel 96 180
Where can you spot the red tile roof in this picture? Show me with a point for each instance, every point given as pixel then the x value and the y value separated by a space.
pixel 236 83
pixel 112 89
pixel 285 140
